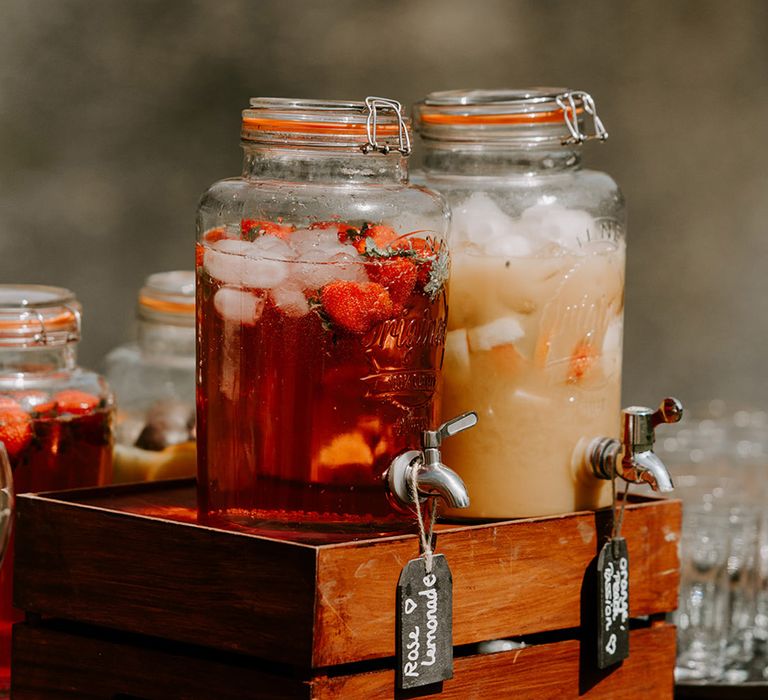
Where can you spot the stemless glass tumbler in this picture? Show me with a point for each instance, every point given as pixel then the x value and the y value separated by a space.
pixel 322 303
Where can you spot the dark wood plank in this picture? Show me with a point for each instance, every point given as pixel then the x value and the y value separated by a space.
pixel 510 579
pixel 52 664
pixel 535 673
pixel 176 581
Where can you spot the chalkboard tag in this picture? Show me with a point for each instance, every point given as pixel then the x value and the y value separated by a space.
pixel 612 603
pixel 424 623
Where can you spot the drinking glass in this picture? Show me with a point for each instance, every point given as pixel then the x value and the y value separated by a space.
pixel 703 609
pixel 743 527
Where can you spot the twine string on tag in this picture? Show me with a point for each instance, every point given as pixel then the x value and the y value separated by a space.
pixel 618 521
pixel 424 535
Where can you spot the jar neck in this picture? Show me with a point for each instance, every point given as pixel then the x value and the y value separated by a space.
pixel 38 360
pixel 498 160
pixel 166 340
pixel 321 165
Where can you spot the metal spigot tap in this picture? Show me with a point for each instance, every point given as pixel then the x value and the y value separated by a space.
pixel 433 478
pixel 633 458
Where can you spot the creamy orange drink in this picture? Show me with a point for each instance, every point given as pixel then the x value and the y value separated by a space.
pixel 534 346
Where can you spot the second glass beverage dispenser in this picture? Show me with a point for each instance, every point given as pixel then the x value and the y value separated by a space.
pixel 537 294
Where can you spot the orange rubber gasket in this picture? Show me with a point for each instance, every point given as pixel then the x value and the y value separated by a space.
pixel 550 117
pixel 173 307
pixel 302 127
pixel 64 319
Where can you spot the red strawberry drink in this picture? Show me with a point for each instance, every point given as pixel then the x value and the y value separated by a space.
pixel 56 441
pixel 319 356
pixel 55 418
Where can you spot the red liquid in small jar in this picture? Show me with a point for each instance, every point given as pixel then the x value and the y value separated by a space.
pixel 54 452
pixel 302 405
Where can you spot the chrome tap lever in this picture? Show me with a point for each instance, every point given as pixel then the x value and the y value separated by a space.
pixel 434 438
pixel 633 458
pixel 433 478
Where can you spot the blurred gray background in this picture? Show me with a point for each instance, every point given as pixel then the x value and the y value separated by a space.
pixel 115 116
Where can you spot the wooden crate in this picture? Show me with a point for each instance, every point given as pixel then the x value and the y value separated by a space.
pixel 132 559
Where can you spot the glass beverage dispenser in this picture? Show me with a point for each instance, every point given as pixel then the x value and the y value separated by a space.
pixel 534 336
pixel 322 304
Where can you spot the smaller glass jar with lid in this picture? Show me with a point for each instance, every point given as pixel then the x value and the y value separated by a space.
pixel 55 417
pixel 154 383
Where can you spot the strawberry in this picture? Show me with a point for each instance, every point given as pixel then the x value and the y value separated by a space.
pixel 422 246
pixel 426 250
pixel 381 235
pixel 215 235
pixel 15 426
pixel 356 306
pixel 423 272
pixel 78 403
pixel 582 359
pixel 253 228
pixel 398 275
pixel 37 402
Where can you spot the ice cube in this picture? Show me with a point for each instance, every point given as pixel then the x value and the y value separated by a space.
pixel 238 306
pixel 611 353
pixel 304 240
pixel 315 269
pixel 506 330
pixel 270 247
pixel 308 241
pixel 290 300
pixel 509 246
pixel 613 336
pixel 241 263
pixel 456 352
pixel 479 220
pixel 349 267
pixel 570 228
pixel 225 266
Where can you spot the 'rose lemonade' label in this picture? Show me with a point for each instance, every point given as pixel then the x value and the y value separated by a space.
pixel 424 623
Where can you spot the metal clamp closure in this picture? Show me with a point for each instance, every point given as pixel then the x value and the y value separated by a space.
pixel 373 105
pixel 567 102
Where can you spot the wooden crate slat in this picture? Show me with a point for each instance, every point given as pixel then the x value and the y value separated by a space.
pixel 536 673
pixel 57 665
pixel 510 579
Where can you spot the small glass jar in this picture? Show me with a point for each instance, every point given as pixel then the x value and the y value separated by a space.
pixel 55 417
pixel 537 295
pixel 154 383
pixel 321 308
